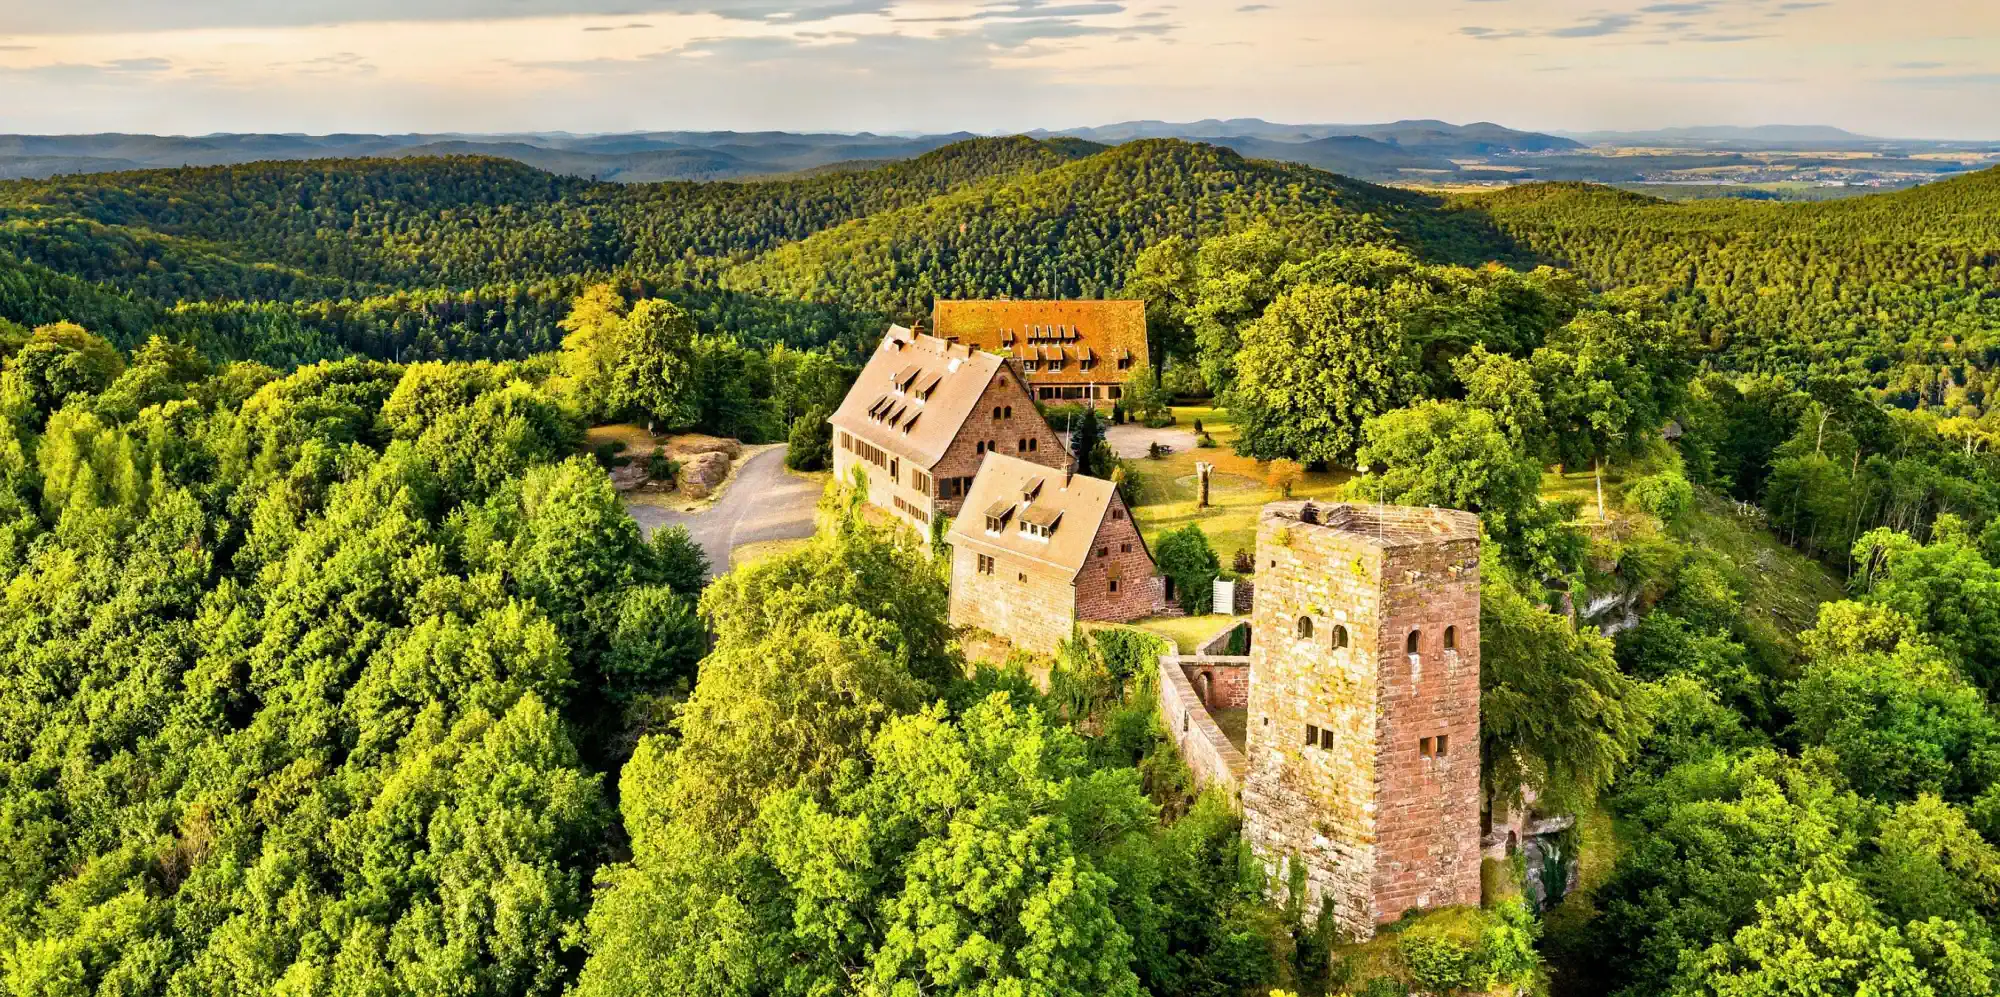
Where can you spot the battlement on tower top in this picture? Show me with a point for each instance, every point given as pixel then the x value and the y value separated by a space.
pixel 1377 525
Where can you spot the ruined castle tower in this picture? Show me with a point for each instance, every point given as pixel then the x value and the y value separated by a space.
pixel 1363 739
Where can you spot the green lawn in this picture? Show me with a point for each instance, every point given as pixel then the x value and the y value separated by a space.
pixel 1187 632
pixel 1166 488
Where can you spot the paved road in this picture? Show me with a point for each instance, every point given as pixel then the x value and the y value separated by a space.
pixel 761 503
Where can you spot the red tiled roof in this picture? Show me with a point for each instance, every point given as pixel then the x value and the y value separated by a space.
pixel 1047 330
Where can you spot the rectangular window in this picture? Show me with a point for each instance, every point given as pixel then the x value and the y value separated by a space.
pixel 895 469
pixel 913 510
pixel 1114 586
pixel 1117 514
pixel 1048 393
pixel 1424 747
pixel 1326 738
pixel 985 565
pixel 1312 735
pixel 1444 745
pixel 1103 552
pixel 1022 577
pixel 1117 392
pixel 1125 548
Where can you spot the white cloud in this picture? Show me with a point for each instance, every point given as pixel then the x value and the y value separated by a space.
pixel 198 66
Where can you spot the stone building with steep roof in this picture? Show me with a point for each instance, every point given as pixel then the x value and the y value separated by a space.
pixel 1069 352
pixel 1037 549
pixel 924 414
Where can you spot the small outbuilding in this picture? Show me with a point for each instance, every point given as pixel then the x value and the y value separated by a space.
pixel 1036 549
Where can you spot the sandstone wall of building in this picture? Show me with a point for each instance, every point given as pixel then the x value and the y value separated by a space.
pixel 1315 801
pixel 1117 553
pixel 1203 746
pixel 891 486
pixel 1018 422
pixel 1338 774
pixel 1031 604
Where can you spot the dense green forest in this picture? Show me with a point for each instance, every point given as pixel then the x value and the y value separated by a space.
pixel 1900 289
pixel 332 666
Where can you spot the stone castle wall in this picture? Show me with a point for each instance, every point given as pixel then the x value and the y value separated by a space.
pixel 1206 750
pixel 1337 777
pixel 1220 683
pixel 1427 763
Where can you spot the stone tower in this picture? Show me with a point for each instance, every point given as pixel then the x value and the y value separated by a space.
pixel 1363 739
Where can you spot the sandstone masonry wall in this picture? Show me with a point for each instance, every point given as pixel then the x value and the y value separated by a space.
pixel 1118 552
pixel 1203 746
pixel 1338 775
pixel 1019 421
pixel 1225 680
pixel 1427 821
pixel 1029 603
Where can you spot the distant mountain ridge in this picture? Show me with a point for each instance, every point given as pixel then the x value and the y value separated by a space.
pixel 1425 136
pixel 1764 138
pixel 1373 152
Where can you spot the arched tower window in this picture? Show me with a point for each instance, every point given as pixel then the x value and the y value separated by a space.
pixel 1339 637
pixel 1305 627
pixel 1411 644
pixel 1451 638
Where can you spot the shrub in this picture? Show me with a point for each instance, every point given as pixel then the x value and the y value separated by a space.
pixel 607 455
pixel 1186 557
pixel 810 445
pixel 1667 496
pixel 1244 563
pixel 1437 963
pixel 1205 441
pixel 661 467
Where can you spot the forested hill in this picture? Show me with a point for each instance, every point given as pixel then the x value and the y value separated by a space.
pixel 465 257
pixel 1890 286
pixel 1076 231
pixel 357 227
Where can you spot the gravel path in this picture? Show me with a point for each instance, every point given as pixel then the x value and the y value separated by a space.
pixel 1133 439
pixel 761 503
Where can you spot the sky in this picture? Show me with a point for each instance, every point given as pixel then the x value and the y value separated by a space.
pixel 1902 68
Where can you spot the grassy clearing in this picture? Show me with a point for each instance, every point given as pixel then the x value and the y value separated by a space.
pixel 1783 588
pixel 764 550
pixel 1187 632
pixel 1166 487
pixel 634 437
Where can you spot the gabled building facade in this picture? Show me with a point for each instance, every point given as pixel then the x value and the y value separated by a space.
pixel 1036 549
pixel 1069 352
pixel 924 415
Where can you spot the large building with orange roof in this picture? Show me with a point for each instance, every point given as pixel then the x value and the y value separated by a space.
pixel 1069 352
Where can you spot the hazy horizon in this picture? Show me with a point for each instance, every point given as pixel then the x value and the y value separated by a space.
pixel 1918 70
